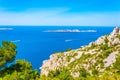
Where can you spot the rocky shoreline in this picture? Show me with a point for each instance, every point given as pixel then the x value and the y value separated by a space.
pixel 98 55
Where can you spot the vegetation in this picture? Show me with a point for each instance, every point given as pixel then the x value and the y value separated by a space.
pixel 69 49
pixel 118 36
pixel 104 47
pixel 7 53
pixel 83 72
pixel 21 70
pixel 116 65
pixel 62 74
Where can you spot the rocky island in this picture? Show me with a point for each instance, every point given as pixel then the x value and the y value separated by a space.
pixel 70 30
pixel 99 58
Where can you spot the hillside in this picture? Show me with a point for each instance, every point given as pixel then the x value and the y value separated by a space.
pixel 98 58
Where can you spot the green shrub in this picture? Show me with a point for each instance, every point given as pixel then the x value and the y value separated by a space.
pixel 69 49
pixel 107 52
pixel 21 70
pixel 83 73
pixel 118 36
pixel 104 47
pixel 95 72
pixel 116 65
pixel 106 40
pixel 62 74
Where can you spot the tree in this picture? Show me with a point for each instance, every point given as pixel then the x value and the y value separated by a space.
pixel 21 70
pixel 7 53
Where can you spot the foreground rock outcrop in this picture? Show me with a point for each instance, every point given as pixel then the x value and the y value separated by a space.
pixel 94 59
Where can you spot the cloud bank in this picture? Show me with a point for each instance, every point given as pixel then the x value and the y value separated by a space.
pixel 58 16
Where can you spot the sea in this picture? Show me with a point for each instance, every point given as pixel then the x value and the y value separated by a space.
pixel 36 43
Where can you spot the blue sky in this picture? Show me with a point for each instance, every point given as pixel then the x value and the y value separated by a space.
pixel 60 12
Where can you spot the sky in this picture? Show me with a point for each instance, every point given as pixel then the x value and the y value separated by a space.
pixel 60 12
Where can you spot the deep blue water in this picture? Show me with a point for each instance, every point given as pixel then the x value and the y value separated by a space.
pixel 34 45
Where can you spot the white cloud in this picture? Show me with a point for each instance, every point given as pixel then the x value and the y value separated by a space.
pixel 57 16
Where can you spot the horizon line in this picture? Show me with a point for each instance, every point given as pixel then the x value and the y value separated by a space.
pixel 67 25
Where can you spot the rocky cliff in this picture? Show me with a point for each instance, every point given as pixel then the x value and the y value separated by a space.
pixel 96 58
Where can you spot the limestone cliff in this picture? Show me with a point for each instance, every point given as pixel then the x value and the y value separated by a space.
pixel 95 58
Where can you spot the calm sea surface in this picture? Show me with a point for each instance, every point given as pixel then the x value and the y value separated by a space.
pixel 35 45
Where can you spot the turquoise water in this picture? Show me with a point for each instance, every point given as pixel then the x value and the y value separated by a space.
pixel 35 45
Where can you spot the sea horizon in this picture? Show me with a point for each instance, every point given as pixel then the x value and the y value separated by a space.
pixel 59 25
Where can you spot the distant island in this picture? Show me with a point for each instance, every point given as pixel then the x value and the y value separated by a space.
pixel 2 29
pixel 70 30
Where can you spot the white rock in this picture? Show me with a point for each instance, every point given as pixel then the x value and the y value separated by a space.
pixel 116 41
pixel 72 59
pixel 79 55
pixel 110 59
pixel 115 31
pixel 75 74
pixel 100 40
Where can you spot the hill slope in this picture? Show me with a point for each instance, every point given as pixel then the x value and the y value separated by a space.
pixel 96 59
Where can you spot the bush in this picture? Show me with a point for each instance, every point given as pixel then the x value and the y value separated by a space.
pixel 116 65
pixel 95 72
pixel 104 46
pixel 118 36
pixel 62 74
pixel 69 49
pixel 83 73
pixel 21 70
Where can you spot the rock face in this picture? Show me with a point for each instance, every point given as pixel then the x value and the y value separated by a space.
pixel 98 55
pixel 115 31
pixel 111 38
